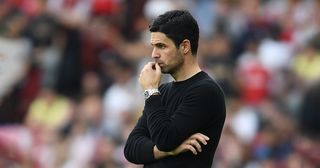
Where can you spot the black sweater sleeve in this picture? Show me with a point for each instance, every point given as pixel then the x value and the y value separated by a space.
pixel 199 106
pixel 139 148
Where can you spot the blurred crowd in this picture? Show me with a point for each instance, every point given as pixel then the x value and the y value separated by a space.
pixel 69 94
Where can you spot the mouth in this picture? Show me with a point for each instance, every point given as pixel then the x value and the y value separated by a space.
pixel 161 64
pixel 158 62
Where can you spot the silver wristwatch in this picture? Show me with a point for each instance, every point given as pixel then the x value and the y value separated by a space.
pixel 149 92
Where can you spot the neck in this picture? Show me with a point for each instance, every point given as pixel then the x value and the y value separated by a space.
pixel 188 69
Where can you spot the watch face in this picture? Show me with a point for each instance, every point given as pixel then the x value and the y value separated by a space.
pixel 146 94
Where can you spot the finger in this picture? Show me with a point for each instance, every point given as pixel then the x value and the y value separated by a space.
pixel 148 66
pixel 196 144
pixel 157 68
pixel 204 136
pixel 200 138
pixel 192 149
pixel 152 64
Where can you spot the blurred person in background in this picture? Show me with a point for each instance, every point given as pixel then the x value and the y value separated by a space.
pixel 32 142
pixel 49 111
pixel 253 79
pixel 82 133
pixel 46 116
pixel 216 60
pixel 309 112
pixel 305 72
pixel 182 120
pixel 306 64
pixel 15 53
pixel 119 99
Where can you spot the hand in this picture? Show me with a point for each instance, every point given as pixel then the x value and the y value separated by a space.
pixel 150 76
pixel 193 144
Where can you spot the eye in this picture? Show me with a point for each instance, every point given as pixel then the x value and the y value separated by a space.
pixel 160 45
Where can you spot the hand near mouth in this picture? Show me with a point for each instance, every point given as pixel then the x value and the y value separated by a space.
pixel 150 76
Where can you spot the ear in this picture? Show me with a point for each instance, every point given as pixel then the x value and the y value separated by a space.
pixel 185 46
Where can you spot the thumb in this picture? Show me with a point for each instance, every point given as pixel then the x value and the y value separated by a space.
pixel 158 69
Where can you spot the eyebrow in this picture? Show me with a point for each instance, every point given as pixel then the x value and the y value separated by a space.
pixel 158 44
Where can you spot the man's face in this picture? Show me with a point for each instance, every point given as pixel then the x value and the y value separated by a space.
pixel 165 53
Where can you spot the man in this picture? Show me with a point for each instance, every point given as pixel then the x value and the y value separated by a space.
pixel 182 120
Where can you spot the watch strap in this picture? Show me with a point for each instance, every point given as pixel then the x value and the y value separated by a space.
pixel 150 92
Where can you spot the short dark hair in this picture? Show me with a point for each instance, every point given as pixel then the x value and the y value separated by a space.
pixel 178 25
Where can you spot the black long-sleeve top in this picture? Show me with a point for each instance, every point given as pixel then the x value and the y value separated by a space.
pixel 183 108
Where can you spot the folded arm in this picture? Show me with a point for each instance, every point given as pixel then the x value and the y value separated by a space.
pixel 194 113
pixel 139 148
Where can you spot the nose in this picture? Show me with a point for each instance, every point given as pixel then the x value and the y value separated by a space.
pixel 155 53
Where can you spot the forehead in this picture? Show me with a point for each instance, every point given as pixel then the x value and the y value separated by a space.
pixel 158 37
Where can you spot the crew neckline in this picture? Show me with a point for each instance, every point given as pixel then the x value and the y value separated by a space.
pixel 194 77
